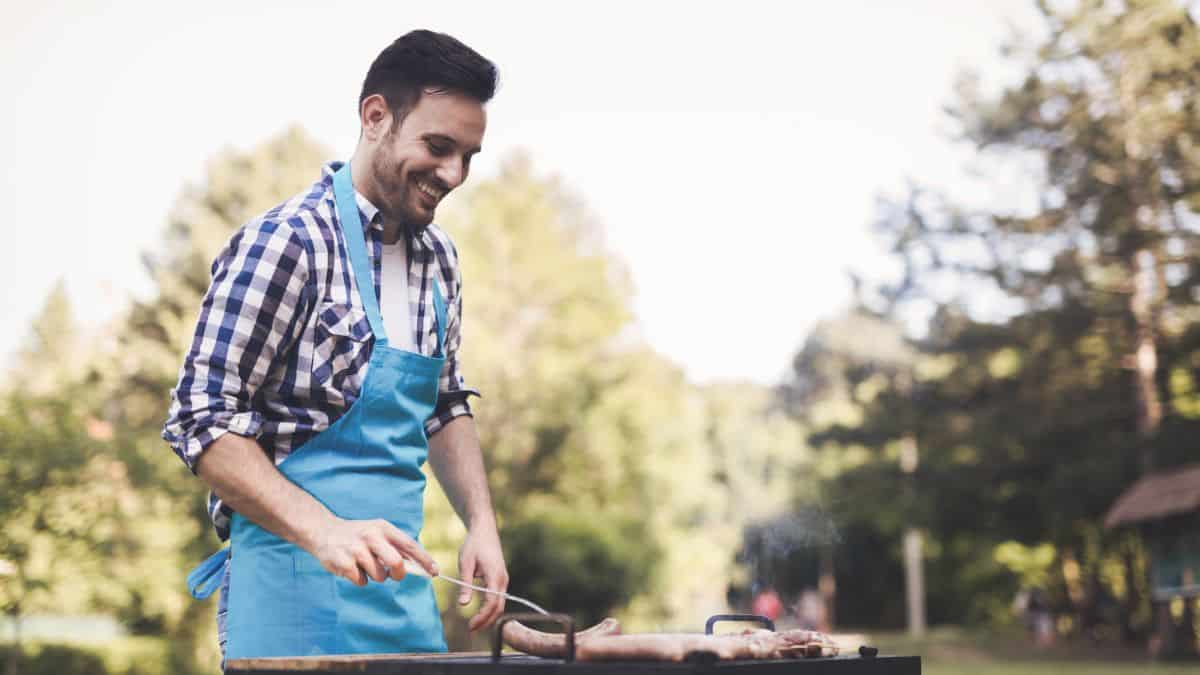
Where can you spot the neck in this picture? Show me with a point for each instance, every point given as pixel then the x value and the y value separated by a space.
pixel 364 184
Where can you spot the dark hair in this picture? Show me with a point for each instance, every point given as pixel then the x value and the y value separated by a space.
pixel 420 60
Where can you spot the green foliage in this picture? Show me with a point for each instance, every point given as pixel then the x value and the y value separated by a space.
pixel 1031 398
pixel 135 376
pixel 1031 564
pixel 141 520
pixel 596 563
pixel 58 660
pixel 49 467
pixel 125 656
pixel 170 530
pixel 543 306
pixel 53 356
pixel 578 417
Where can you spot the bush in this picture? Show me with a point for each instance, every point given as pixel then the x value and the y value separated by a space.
pixel 587 565
pixel 125 656
pixel 57 660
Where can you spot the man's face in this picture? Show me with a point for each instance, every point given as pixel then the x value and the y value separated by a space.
pixel 429 154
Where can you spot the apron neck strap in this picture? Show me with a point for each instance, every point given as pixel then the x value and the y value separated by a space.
pixel 352 230
pixel 439 309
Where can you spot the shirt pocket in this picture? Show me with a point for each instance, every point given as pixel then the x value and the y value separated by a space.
pixel 340 350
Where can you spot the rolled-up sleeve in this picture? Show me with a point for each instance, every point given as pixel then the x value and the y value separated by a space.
pixel 452 389
pixel 250 314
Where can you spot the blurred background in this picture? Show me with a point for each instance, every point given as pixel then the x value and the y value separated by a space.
pixel 879 318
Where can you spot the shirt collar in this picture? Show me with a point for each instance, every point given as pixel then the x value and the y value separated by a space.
pixel 370 212
pixel 372 221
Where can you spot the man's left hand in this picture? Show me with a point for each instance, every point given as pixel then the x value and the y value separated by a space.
pixel 481 558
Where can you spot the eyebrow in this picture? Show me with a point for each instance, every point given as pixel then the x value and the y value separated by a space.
pixel 448 139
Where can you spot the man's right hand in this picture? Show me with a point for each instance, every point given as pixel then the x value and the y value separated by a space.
pixel 368 549
pixel 239 472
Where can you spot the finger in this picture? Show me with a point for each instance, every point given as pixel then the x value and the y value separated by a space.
pixel 483 616
pixel 390 559
pixel 493 605
pixel 367 562
pixel 500 585
pixel 396 572
pixel 346 568
pixel 466 572
pixel 408 547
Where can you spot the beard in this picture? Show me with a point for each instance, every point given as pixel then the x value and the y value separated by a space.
pixel 395 194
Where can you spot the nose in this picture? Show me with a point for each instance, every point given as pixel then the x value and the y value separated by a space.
pixel 452 172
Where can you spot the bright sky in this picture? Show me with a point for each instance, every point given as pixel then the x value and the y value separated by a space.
pixel 732 150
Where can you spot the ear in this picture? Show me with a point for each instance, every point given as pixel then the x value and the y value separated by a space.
pixel 375 117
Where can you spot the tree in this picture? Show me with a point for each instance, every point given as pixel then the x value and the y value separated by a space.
pixel 50 469
pixel 53 356
pixel 545 307
pixel 169 530
pixel 51 464
pixel 844 366
pixel 592 439
pixel 1069 319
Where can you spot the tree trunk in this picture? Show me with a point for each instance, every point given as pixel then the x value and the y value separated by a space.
pixel 1187 628
pixel 914 573
pixel 1143 306
pixel 1129 604
pixel 16 655
pixel 914 577
pixel 1146 207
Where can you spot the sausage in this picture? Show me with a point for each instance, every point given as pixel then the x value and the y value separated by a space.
pixel 598 644
pixel 553 645
pixel 670 647
pixel 678 647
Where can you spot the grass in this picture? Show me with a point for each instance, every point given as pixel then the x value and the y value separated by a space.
pixel 946 651
pixel 1049 668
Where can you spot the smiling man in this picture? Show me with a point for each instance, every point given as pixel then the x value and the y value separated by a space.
pixel 325 370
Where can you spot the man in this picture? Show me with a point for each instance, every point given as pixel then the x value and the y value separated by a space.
pixel 325 356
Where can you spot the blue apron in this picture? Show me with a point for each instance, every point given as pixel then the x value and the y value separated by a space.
pixel 366 465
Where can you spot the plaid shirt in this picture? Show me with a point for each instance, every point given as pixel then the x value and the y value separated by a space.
pixel 282 344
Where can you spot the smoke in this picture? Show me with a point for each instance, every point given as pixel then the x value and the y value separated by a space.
pixel 808 528
pixel 785 552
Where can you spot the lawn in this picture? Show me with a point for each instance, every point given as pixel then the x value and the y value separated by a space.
pixel 1055 668
pixel 948 650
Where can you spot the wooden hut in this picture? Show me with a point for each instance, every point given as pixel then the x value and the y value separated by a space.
pixel 1165 506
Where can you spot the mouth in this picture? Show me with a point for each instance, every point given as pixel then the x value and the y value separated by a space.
pixel 430 192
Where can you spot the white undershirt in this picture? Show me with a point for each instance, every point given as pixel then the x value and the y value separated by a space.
pixel 394 304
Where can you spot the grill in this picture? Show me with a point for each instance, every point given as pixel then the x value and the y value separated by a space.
pixel 481 663
pixel 497 663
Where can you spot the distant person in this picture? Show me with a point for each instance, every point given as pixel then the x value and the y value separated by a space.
pixel 1039 619
pixel 768 604
pixel 811 612
pixel 326 354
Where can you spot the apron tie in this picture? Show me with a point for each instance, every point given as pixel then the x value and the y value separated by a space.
pixel 206 578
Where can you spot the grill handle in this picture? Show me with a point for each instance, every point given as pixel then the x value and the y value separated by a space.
pixel 563 620
pixel 756 618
